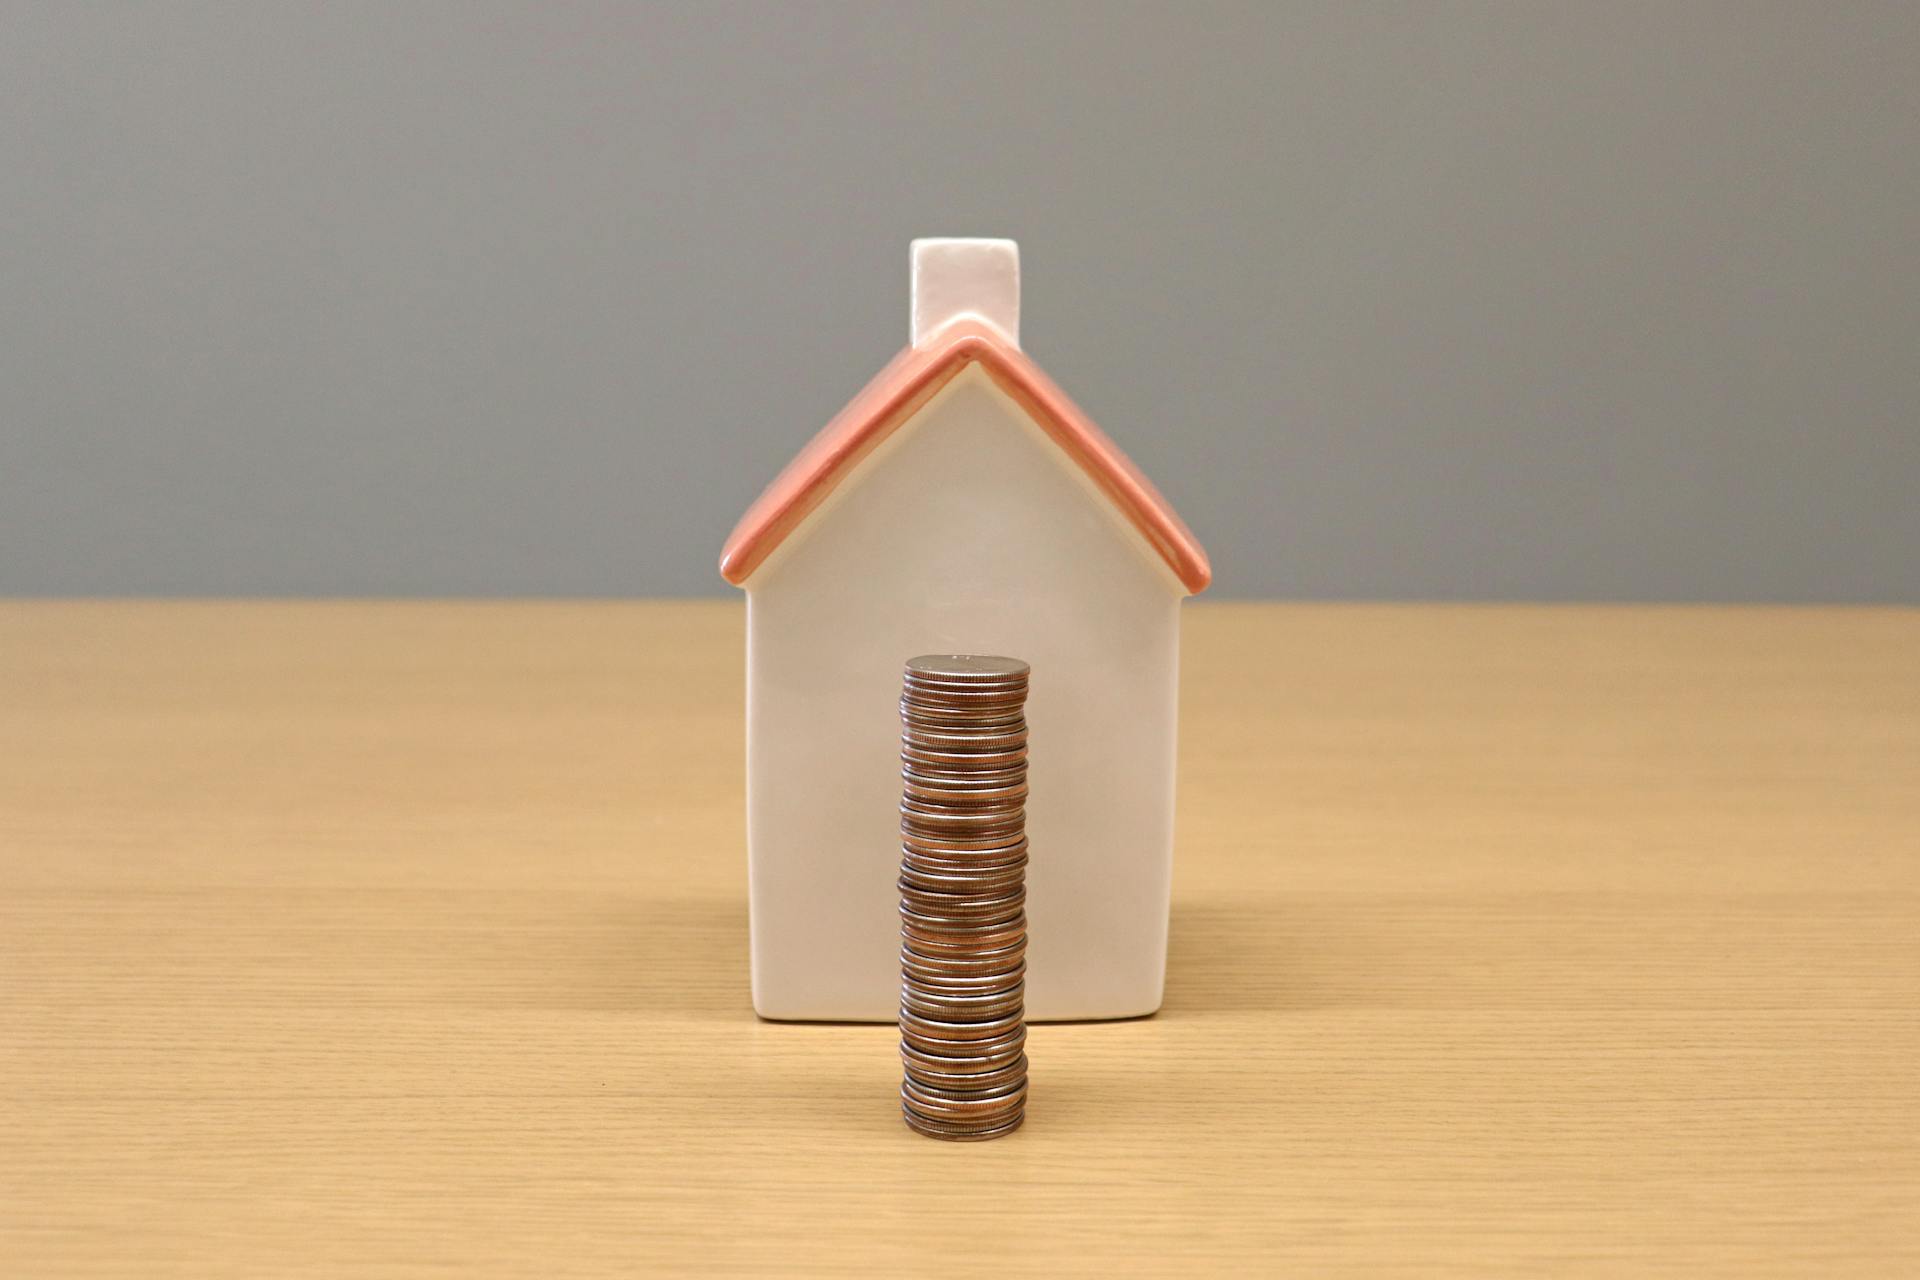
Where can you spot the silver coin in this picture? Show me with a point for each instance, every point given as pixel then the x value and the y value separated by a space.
pixel 937 1067
pixel 972 928
pixel 921 868
pixel 997 799
pixel 965 668
pixel 925 815
pixel 972 776
pixel 936 920
pixel 964 1061
pixel 930 856
pixel 928 977
pixel 980 755
pixel 956 945
pixel 958 844
pixel 964 948
pixel 969 882
pixel 964 779
pixel 973 959
pixel 970 772
pixel 983 1007
pixel 960 1133
pixel 938 904
pixel 960 818
pixel 942 1104
pixel 957 1032
pixel 921 694
pixel 966 1050
pixel 965 732
pixel 987 1115
pixel 994 751
pixel 1012 1072
pixel 962 990
pixel 945 1044
pixel 963 1128
pixel 953 906
pixel 961 1101
pixel 946 878
pixel 971 1004
pixel 1005 1070
pixel 977 1003
pixel 957 1119
pixel 916 699
pixel 965 859
pixel 1014 688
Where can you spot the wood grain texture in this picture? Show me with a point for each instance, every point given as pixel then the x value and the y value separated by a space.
pixel 409 939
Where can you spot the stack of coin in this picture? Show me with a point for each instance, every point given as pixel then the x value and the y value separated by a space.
pixel 963 924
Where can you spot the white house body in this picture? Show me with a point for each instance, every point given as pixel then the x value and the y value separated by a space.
pixel 965 526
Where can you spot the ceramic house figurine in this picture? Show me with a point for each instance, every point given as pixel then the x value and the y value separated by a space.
pixel 960 504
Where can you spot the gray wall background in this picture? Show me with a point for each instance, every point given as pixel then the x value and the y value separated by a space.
pixel 1511 300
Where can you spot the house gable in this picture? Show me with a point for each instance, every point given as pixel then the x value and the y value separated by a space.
pixel 971 497
pixel 894 397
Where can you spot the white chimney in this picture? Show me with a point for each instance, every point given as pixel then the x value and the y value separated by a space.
pixel 956 277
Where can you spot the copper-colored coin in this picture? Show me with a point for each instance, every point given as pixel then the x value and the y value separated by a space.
pixel 968 1050
pixel 954 945
pixel 957 1032
pixel 939 925
pixel 964 859
pixel 964 881
pixel 927 976
pixel 967 957
pixel 940 1047
pixel 927 823
pixel 940 846
pixel 982 695
pixel 953 906
pixel 995 881
pixel 920 705
pixel 974 783
pixel 998 799
pixel 1012 1070
pixel 969 1008
pixel 990 756
pixel 951 874
pixel 955 1060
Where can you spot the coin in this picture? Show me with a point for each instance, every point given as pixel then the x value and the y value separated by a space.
pixel 954 1105
pixel 962 668
pixel 965 859
pixel 963 924
pixel 935 1046
pixel 963 945
pixel 960 1133
pixel 993 1004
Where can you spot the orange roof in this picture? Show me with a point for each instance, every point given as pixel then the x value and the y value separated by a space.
pixel 897 392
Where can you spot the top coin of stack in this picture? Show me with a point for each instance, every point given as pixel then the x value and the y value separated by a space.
pixel 963 925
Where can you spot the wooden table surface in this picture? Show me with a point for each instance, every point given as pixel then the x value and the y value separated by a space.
pixel 410 939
